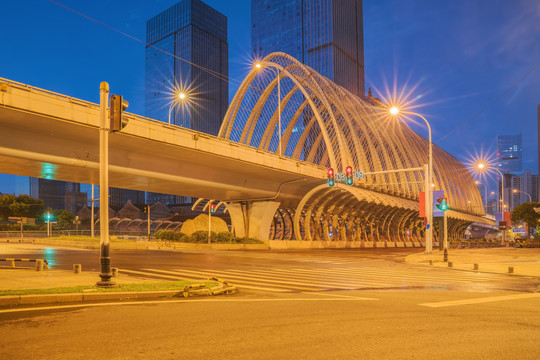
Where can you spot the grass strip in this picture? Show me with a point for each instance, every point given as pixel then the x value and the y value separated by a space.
pixel 158 286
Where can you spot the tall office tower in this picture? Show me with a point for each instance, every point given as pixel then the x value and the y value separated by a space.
pixel 509 151
pixel 482 188
pixel 196 35
pixel 538 145
pixel 523 188
pixel 58 195
pixel 327 35
pixel 52 192
pixel 75 200
pixel 492 207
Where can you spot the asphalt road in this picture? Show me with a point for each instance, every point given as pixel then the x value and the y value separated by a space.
pixel 327 304
pixel 287 270
pixel 331 325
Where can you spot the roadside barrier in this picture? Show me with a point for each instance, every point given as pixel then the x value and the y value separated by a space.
pixel 223 287
pixel 39 262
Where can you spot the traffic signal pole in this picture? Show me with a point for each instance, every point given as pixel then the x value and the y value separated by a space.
pixel 148 211
pixel 209 221
pixel 105 258
pixel 445 236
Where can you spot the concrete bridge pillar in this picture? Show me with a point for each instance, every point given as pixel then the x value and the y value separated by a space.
pixel 253 219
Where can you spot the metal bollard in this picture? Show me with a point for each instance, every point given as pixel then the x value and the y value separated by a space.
pixel 39 265
pixel 510 269
pixel 450 264
pixel 77 268
pixel 475 266
pixel 114 272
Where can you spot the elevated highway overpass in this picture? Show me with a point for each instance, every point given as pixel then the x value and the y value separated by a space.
pixel 53 136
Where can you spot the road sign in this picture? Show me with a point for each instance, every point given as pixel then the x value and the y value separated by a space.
pixel 23 220
pixel 502 225
pixel 29 221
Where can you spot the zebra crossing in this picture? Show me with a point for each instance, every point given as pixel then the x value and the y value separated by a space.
pixel 313 279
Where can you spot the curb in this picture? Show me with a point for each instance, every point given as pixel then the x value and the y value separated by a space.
pixel 11 300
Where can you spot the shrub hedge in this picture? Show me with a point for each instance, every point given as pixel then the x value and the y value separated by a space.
pixel 201 237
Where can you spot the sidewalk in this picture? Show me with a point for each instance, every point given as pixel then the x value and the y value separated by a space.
pixel 525 261
pixel 27 279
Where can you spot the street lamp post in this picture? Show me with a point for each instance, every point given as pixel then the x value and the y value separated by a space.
pixel 429 188
pixel 515 191
pixel 105 258
pixel 483 166
pixel 181 96
pixel 92 231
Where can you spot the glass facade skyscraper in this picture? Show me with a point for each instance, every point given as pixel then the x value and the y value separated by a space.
pixel 188 50
pixel 326 35
pixel 509 152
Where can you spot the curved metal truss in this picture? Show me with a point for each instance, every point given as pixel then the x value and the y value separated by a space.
pixel 287 108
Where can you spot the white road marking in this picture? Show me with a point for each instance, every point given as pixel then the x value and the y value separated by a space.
pixel 343 296
pixel 204 278
pixel 240 279
pixel 480 300
pixel 159 275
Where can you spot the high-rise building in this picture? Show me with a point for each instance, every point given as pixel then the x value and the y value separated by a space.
pixel 538 145
pixel 492 206
pixel 58 195
pixel 187 52
pixel 509 152
pixel 522 188
pixel 482 188
pixel 326 35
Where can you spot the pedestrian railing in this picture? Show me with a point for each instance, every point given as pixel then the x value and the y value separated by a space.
pixel 39 262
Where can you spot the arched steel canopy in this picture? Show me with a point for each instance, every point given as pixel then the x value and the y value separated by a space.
pixel 325 124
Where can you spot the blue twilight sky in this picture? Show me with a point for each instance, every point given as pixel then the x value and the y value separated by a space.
pixel 472 63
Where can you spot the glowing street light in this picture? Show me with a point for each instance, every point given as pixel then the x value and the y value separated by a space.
pixel 515 191
pixel 395 111
pixel 487 167
pixel 181 96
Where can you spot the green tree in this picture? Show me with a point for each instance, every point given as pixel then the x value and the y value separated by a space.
pixel 5 202
pixel 64 217
pixel 22 205
pixel 525 212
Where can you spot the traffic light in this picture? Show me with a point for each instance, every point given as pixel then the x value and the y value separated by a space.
pixel 118 105
pixel 330 174
pixel 442 204
pixel 48 216
pixel 348 175
pixel 212 208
